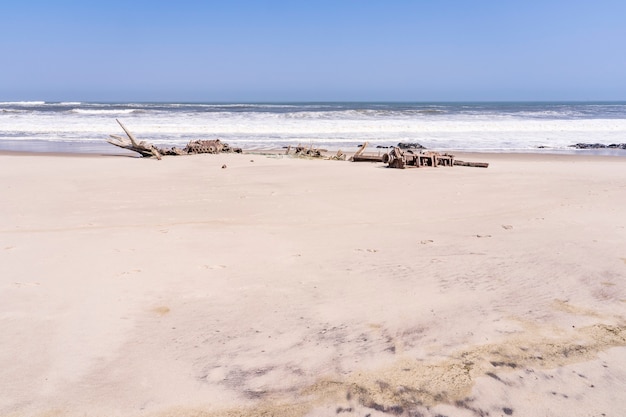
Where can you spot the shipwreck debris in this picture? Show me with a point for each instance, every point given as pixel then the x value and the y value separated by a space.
pixel 147 149
pixel 409 158
pixel 303 151
pixel 144 148
pixel 311 152
pixel 360 156
pixel 405 155
pixel 398 158
pixel 471 164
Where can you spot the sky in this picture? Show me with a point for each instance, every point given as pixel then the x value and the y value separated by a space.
pixel 313 50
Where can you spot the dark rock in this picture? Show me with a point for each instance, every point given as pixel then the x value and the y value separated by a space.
pixel 599 146
pixel 410 145
pixel 589 146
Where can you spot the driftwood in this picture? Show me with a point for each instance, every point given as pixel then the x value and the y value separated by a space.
pixel 311 152
pixel 339 156
pixel 303 151
pixel 472 164
pixel 360 151
pixel 367 158
pixel 359 156
pixel 148 150
pixel 144 148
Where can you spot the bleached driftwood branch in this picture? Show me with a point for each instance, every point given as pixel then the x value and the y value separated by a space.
pixel 149 150
pixel 144 148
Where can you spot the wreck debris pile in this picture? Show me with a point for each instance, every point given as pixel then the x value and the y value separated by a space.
pixel 305 152
pixel 408 158
pixel 405 155
pixel 398 158
pixel 311 152
pixel 147 149
pixel 209 146
pixel 360 156
pixel 200 146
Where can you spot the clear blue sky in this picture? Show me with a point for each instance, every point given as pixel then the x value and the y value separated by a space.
pixel 335 50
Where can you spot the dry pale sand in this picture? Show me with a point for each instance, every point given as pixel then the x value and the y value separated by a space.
pixel 287 287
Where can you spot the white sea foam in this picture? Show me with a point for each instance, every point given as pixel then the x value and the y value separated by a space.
pixel 22 103
pixel 105 112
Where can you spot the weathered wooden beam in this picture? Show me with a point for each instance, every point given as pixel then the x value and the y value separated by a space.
pixel 471 164
pixel 130 135
pixel 360 151
pixel 367 158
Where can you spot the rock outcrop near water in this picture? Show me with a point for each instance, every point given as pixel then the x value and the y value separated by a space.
pixel 410 145
pixel 599 146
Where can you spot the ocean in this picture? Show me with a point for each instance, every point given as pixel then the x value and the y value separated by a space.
pixel 39 126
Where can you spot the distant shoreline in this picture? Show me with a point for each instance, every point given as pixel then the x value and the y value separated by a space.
pixel 35 147
pixel 78 127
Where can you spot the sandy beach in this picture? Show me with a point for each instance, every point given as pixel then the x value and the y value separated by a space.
pixel 287 287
